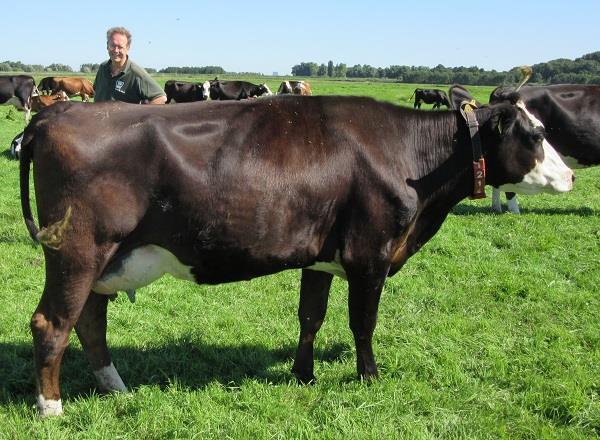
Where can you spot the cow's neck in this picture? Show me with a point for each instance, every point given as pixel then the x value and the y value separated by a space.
pixel 443 165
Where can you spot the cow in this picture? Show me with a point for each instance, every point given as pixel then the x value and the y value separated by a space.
pixel 436 97
pixel 72 86
pixel 39 102
pixel 236 90
pixel 571 117
pixel 182 91
pixel 294 88
pixel 17 90
pixel 223 192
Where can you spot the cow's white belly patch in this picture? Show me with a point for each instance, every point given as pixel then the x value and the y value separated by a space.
pixel 333 267
pixel 141 267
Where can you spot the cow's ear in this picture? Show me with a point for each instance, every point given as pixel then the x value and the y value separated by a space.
pixel 502 117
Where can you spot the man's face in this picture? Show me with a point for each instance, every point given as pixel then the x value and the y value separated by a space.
pixel 118 48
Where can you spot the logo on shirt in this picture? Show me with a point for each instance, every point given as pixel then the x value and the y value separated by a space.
pixel 119 84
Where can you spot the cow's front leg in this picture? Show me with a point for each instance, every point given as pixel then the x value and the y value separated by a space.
pixel 363 301
pixel 91 330
pixel 314 293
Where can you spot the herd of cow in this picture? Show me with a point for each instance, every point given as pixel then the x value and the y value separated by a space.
pixel 222 192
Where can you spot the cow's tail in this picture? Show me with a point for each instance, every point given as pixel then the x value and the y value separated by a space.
pixel 25 165
pixel 412 95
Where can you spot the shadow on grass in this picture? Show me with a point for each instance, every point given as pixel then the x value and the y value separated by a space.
pixel 192 365
pixel 464 209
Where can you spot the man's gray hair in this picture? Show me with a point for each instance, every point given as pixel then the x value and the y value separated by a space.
pixel 118 30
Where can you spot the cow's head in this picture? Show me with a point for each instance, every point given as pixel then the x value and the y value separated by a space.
pixel 263 89
pixel 520 160
pixel 204 90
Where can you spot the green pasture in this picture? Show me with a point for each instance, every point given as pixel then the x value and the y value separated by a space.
pixel 491 331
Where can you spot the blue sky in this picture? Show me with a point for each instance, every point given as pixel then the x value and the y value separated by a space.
pixel 271 36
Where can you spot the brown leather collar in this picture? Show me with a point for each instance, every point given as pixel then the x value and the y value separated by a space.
pixel 466 110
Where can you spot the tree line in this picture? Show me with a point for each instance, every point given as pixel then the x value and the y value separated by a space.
pixel 17 66
pixel 583 70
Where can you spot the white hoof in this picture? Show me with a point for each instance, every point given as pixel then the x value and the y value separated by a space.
pixel 49 407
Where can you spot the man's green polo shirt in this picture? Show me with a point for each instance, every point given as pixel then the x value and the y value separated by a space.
pixel 132 85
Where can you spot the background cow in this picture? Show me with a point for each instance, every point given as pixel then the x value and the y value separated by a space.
pixel 227 192
pixel 294 88
pixel 183 91
pixel 39 102
pixel 229 90
pixel 436 97
pixel 71 85
pixel 17 90
pixel 571 117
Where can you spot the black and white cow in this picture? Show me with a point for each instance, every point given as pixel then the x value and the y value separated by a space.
pixel 236 90
pixel 436 97
pixel 183 91
pixel 222 192
pixel 570 114
pixel 17 90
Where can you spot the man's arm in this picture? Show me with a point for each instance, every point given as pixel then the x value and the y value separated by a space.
pixel 159 100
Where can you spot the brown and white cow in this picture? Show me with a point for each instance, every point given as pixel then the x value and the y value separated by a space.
pixel 39 102
pixel 72 86
pixel 17 90
pixel 294 88
pixel 222 192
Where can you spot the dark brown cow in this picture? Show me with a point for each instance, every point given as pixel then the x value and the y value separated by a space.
pixel 294 88
pixel 17 90
pixel 222 192
pixel 71 85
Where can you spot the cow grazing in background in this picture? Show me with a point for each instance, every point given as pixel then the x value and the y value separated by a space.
pixel 17 90
pixel 39 102
pixel 430 96
pixel 236 90
pixel 183 91
pixel 72 86
pixel 294 88
pixel 223 192
pixel 571 117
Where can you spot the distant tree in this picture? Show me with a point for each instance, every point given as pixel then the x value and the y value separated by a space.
pixel 89 68
pixel 330 69
pixel 339 71
pixel 322 71
pixel 305 69
pixel 56 67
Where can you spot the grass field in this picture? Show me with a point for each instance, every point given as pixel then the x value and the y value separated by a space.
pixel 491 331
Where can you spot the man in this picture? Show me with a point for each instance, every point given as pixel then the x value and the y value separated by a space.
pixel 120 79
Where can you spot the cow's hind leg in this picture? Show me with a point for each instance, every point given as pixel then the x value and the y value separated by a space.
pixel 314 293
pixel 54 318
pixel 91 330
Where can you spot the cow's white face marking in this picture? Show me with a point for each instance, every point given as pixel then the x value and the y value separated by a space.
pixel 551 175
pixel 139 268
pixel 268 89
pixel 333 267
pixel 109 380
pixel 206 89
pixel 49 407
